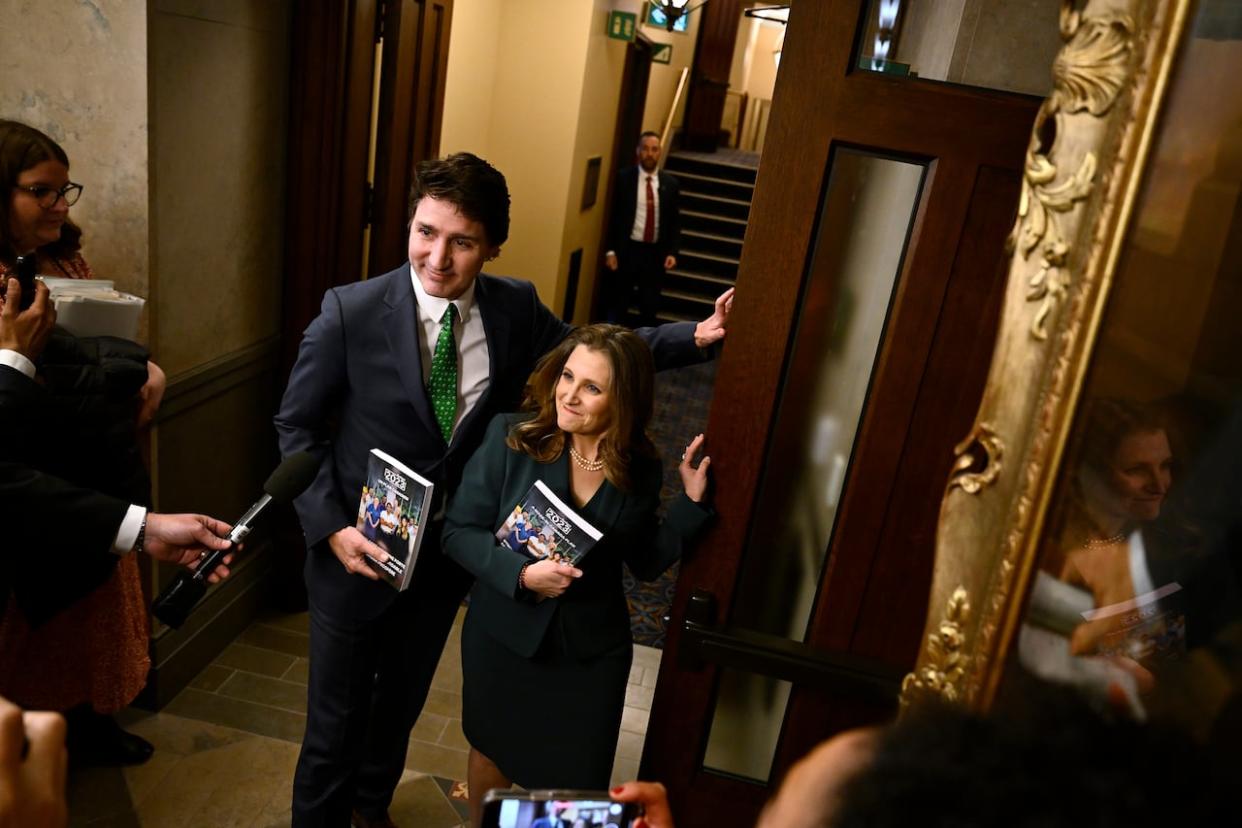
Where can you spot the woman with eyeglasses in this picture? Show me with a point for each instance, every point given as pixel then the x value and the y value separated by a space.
pixel 87 659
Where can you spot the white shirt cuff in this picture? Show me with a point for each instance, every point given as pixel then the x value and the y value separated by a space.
pixel 127 535
pixel 17 361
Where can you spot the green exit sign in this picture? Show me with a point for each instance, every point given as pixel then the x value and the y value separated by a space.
pixel 621 25
pixel 661 53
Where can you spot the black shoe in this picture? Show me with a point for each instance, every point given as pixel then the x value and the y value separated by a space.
pixel 357 820
pixel 96 740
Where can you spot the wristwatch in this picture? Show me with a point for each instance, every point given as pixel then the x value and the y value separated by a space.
pixel 140 542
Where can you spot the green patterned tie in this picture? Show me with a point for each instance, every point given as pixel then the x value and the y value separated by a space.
pixel 443 381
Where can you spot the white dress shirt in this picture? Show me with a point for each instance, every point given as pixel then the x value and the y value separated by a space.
pixel 127 534
pixel 640 212
pixel 473 366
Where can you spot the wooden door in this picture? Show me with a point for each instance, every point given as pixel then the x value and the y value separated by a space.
pixel 334 154
pixel 407 123
pixel 816 636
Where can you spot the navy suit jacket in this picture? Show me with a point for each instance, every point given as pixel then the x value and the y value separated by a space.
pixel 48 565
pixel 358 385
pixel 625 202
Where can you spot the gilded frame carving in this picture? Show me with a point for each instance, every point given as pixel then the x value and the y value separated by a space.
pixel 1083 167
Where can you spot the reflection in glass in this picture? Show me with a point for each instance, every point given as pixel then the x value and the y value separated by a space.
pixel 864 222
pixel 1138 595
pixel 997 44
pixel 746 724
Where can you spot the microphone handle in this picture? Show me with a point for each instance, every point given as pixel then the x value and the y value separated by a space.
pixel 240 530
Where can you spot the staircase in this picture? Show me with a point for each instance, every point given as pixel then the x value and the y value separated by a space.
pixel 716 191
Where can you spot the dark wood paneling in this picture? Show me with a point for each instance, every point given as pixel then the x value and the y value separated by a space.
pixel 709 80
pixel 411 106
pixel 216 447
pixel 330 105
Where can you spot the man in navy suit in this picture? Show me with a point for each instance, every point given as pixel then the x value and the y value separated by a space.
pixel 643 233
pixel 372 372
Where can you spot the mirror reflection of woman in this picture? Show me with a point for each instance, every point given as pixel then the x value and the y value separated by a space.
pixel 1120 488
pixel 1122 483
pixel 543 629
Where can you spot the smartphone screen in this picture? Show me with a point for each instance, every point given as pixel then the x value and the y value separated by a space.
pixel 556 810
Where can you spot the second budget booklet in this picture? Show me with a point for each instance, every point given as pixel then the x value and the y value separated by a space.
pixel 541 526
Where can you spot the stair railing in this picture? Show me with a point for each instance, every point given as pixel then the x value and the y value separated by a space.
pixel 667 133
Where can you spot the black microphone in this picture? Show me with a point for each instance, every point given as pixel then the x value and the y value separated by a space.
pixel 289 480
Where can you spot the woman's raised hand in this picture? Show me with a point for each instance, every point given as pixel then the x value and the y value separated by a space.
pixel 548 579
pixel 693 480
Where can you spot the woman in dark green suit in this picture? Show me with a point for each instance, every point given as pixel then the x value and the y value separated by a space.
pixel 546 646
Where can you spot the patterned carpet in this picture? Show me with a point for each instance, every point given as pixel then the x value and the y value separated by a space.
pixel 682 398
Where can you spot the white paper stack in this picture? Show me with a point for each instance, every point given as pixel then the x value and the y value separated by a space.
pixel 94 307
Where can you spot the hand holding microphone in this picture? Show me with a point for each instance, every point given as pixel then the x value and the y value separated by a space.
pixel 188 539
pixel 173 605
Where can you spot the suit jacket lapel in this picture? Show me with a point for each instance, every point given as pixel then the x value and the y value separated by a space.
pixel 400 321
pixel 496 329
pixel 605 506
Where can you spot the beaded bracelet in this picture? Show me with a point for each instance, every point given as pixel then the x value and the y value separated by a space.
pixel 522 576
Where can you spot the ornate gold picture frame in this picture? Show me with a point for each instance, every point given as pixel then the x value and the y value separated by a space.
pixel 1083 168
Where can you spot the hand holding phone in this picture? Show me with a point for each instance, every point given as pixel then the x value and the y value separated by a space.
pixel 557 809
pixel 26 269
pixel 25 331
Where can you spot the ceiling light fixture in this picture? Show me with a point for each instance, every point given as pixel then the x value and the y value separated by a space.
pixel 673 10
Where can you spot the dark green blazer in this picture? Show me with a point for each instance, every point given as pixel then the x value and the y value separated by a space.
pixel 592 613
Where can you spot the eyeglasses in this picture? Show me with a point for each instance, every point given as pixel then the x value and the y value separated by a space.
pixel 48 196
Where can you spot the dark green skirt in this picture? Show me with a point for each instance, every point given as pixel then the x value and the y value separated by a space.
pixel 550 721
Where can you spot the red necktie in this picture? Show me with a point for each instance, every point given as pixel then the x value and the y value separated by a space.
pixel 649 225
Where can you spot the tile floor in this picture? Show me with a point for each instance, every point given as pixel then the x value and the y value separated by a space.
pixel 226 746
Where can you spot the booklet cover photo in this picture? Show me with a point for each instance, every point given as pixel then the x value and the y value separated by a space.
pixel 391 513
pixel 541 526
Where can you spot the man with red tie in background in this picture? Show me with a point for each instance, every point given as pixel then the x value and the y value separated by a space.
pixel 643 233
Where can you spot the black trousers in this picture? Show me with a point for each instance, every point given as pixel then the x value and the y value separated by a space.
pixel 369 679
pixel 640 270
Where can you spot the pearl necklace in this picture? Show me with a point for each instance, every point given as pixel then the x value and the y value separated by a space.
pixel 1096 543
pixel 583 463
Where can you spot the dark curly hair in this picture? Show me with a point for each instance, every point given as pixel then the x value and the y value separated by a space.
pixel 633 380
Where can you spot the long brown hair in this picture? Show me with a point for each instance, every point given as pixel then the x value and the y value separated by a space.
pixel 633 378
pixel 22 147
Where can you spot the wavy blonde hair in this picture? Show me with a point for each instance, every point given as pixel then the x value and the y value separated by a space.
pixel 633 380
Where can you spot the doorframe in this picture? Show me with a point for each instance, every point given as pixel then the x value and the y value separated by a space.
pixel 635 81
pixel 821 104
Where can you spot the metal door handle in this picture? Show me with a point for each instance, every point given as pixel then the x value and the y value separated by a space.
pixel 702 642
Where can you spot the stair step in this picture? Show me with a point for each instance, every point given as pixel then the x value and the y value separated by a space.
pixel 723 281
pixel 730 219
pixel 699 234
pixel 683 175
pixel 678 164
pixel 711 257
pixel 687 297
pixel 734 201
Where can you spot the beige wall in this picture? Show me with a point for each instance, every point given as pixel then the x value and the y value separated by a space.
pixel 78 71
pixel 474 40
pixel 597 122
pixel 1008 45
pixel 761 79
pixel 663 83
pixel 537 104
pixel 218 109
